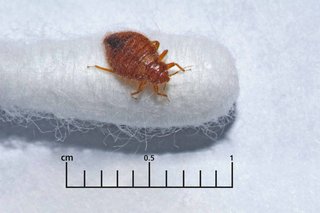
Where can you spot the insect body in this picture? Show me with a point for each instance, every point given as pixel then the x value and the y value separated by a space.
pixel 133 56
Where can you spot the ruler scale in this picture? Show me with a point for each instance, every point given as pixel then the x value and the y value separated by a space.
pixel 68 158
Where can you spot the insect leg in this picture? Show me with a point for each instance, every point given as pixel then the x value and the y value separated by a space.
pixel 163 54
pixel 156 89
pixel 101 68
pixel 140 88
pixel 156 44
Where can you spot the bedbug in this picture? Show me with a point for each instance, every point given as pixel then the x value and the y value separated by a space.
pixel 132 55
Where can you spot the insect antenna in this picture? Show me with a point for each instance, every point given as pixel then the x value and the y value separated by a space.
pixel 188 68
pixel 99 67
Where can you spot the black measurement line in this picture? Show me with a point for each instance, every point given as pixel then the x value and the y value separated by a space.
pixel 183 179
pixel 66 174
pixel 117 178
pixel 154 187
pixel 132 178
pixel 149 180
pixel 149 174
pixel 215 178
pixel 166 178
pixel 231 174
pixel 101 178
pixel 84 178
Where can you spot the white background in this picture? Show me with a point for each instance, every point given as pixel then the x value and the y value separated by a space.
pixel 274 139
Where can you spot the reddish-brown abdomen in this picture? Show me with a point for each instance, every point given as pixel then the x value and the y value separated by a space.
pixel 130 54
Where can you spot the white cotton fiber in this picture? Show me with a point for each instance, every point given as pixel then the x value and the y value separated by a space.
pixel 51 76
